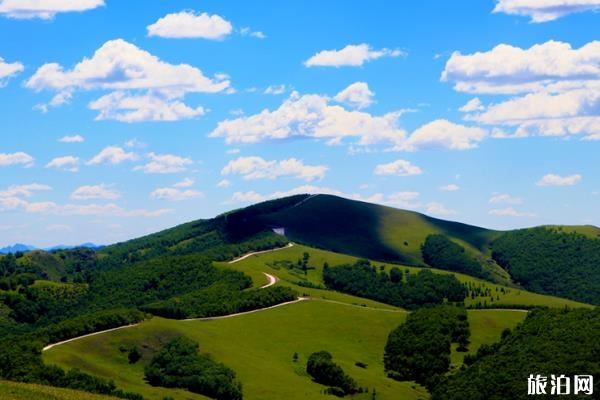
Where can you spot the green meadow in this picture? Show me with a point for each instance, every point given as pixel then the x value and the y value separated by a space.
pixel 26 391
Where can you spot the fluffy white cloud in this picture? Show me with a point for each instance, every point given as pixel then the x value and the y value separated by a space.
pixel 557 180
pixel 435 208
pixel 353 55
pixel 8 70
pixel 500 198
pixel 449 188
pixel 311 116
pixel 23 190
pixel 472 105
pixel 259 168
pixel 89 192
pixel 72 139
pixel 508 69
pixel 67 163
pixel 18 158
pixel 224 184
pixel 399 168
pixel 125 107
pixel 444 134
pixel 510 212
pixel 45 9
pixel 191 25
pixel 187 182
pixel 275 89
pixel 545 10
pixel 356 95
pixel 112 155
pixel 164 164
pixel 174 194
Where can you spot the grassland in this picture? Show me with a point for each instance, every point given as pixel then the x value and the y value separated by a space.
pixel 260 347
pixel 26 391
pixel 273 263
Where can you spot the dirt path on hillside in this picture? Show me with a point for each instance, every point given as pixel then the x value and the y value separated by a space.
pixel 272 280
pixel 260 252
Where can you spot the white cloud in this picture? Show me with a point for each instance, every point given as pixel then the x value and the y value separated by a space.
pixel 356 95
pixel 407 200
pixel 224 184
pixel 18 158
pixel 353 55
pixel 89 192
pixel 187 182
pixel 444 134
pixel 246 197
pixel 246 31
pixel 500 198
pixel 233 151
pixel 510 212
pixel 174 194
pixel 545 10
pixel 66 163
pixel 557 180
pixel 112 155
pixel 164 164
pixel 125 107
pixel 72 139
pixel 191 25
pixel 45 9
pixel 135 143
pixel 275 89
pixel 8 70
pixel 399 168
pixel 472 105
pixel 449 188
pixel 23 190
pixel 259 168
pixel 435 208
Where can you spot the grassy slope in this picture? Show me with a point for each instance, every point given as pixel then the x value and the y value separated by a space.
pixel 255 266
pixel 259 347
pixel 26 391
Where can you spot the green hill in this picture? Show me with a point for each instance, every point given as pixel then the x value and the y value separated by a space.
pixel 26 391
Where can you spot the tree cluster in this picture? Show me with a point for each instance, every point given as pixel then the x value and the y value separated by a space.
pixel 440 252
pixel 324 370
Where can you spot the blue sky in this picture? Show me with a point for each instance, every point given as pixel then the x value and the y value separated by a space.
pixel 123 118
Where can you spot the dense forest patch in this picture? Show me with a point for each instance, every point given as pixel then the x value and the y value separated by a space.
pixel 440 252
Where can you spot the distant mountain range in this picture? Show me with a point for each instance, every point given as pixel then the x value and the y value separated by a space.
pixel 25 247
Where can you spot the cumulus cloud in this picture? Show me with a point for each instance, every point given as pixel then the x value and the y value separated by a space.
pixel 399 168
pixel 45 9
pixel 112 155
pixel 275 89
pixel 246 31
pixel 89 192
pixel 356 95
pixel 246 197
pixel 435 208
pixel 545 10
pixel 8 70
pixel 72 139
pixel 122 67
pixel 353 55
pixel 191 25
pixel 472 105
pixel 66 163
pixel 18 158
pixel 125 107
pixel 557 180
pixel 449 188
pixel 164 164
pixel 23 190
pixel 187 182
pixel 510 212
pixel 224 184
pixel 503 198
pixel 174 194
pixel 442 133
pixel 259 168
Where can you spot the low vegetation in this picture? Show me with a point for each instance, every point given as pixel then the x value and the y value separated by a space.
pixel 324 370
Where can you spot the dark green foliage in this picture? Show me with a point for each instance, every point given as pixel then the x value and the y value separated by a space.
pixel 220 300
pixel 179 365
pixel 549 261
pixel 424 288
pixel 547 342
pixel 420 348
pixel 134 355
pixel 325 371
pixel 440 252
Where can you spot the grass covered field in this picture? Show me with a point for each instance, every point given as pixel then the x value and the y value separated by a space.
pixel 260 348
pixel 274 263
pixel 26 391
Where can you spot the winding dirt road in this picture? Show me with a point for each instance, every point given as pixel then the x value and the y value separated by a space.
pixel 260 252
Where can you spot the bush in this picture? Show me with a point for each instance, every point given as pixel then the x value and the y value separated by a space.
pixel 321 367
